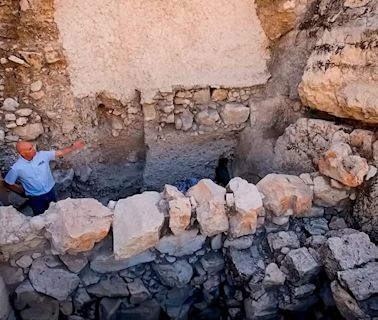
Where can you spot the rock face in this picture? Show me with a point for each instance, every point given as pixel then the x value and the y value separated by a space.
pixel 211 214
pixel 285 195
pixel 339 163
pixel 180 209
pixel 48 276
pixel 75 225
pixel 344 88
pixel 248 206
pixel 137 223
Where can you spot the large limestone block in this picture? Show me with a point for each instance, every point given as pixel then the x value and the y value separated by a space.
pixel 285 195
pixel 75 225
pixel 29 132
pixel 248 206
pixel 137 223
pixel 207 190
pixel 212 218
pixel 48 276
pixel 340 164
pixel 211 212
pixel 327 196
pixel 180 209
pixel 234 113
pixel 5 307
pixel 16 232
pixel 338 76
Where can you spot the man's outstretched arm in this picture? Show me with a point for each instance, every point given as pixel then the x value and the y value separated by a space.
pixel 77 145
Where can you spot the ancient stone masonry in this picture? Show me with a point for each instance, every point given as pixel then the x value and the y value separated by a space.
pixel 236 253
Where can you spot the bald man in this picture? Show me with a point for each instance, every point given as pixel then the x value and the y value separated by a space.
pixel 33 171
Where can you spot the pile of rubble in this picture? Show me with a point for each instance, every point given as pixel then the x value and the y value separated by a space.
pixel 213 251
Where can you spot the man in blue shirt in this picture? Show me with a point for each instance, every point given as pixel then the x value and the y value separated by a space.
pixel 33 171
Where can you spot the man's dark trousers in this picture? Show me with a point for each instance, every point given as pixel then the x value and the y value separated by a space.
pixel 41 203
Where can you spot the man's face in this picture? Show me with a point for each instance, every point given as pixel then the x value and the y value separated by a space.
pixel 28 151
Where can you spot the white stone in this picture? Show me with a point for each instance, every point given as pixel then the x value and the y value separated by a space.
pixel 16 60
pixel 233 114
pixel 248 206
pixel 21 121
pixel 75 225
pixel 36 86
pixel 137 223
pixel 24 112
pixel 10 117
pixel 371 173
pixel 10 105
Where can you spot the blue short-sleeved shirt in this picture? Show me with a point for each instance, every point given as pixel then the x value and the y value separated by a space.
pixel 35 175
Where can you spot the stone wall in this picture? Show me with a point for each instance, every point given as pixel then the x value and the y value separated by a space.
pixel 210 252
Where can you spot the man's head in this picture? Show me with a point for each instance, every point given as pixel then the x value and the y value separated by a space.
pixel 26 150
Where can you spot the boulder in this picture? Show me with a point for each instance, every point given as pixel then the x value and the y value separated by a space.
pixel 16 233
pixel 207 117
pixel 137 223
pixel 339 163
pixel 280 16
pixel 75 225
pixel 347 252
pixel 301 266
pixel 211 213
pixel 248 206
pixel 285 195
pixel 185 244
pixel 344 88
pixel 265 307
pixel 234 113
pixel 5 307
pixel 48 276
pixel 174 275
pixel 180 210
pixel 327 196
pixel 361 282
pixel 212 218
pixel 212 262
pixel 10 105
pixel 29 132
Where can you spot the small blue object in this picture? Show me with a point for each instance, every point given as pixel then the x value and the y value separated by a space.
pixel 185 184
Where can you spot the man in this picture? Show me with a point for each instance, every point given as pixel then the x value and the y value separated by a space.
pixel 32 169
